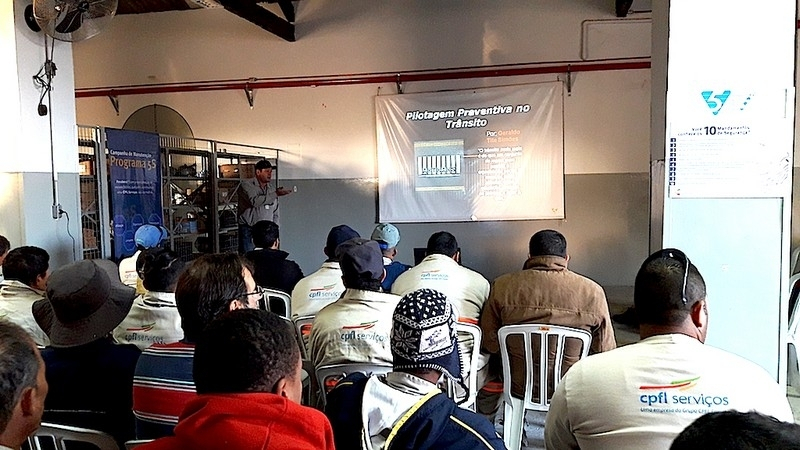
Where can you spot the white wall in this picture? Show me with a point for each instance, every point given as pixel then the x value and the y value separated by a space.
pixel 331 130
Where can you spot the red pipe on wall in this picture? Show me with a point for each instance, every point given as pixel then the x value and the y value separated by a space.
pixel 363 78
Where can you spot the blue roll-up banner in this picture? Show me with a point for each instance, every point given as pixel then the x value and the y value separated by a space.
pixel 134 163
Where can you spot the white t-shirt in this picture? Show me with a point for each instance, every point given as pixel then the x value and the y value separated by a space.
pixel 354 329
pixel 153 319
pixel 317 290
pixel 641 396
pixel 466 289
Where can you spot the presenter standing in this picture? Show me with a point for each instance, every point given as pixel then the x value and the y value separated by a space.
pixel 258 200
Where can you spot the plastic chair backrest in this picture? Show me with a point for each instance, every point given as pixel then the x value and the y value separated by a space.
pixel 329 375
pixel 50 435
pixel 794 261
pixel 302 325
pixel 532 334
pixel 135 443
pixel 278 302
pixel 472 372
pixel 792 337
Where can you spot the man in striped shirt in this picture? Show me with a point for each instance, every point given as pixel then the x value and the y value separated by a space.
pixel 163 382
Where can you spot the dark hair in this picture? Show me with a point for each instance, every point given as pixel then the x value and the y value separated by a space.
pixel 442 243
pixel 206 289
pixel 265 233
pixel 548 242
pixel 19 368
pixel 263 164
pixel 246 350
pixel 733 430
pixel 26 263
pixel 658 289
pixel 4 245
pixel 159 269
pixel 355 282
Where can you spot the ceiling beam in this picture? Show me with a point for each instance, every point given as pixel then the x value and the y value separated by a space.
pixel 253 12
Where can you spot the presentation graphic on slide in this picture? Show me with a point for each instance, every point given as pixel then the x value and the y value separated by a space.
pixel 482 154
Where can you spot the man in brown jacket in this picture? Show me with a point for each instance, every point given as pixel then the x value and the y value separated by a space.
pixel 547 292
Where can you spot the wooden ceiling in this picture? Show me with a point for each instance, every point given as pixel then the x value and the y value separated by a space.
pixel 251 10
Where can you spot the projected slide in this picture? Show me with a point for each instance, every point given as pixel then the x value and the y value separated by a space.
pixel 483 154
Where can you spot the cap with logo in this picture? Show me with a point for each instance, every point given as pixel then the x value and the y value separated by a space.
pixel 387 235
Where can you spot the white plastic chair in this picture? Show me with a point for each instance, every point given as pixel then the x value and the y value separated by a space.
pixel 283 297
pixel 302 325
pixel 531 334
pixel 793 375
pixel 50 435
pixel 794 261
pixel 472 371
pixel 329 375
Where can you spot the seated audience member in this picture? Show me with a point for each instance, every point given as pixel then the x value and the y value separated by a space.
pixel 163 383
pixel 23 386
pixel 248 376
pixel 5 246
pixel 324 286
pixel 356 327
pixel 466 289
pixel 546 292
pixel 271 268
pixel 90 376
pixel 154 318
pixel 388 236
pixel 146 236
pixel 406 408
pixel 26 272
pixel 642 395
pixel 733 430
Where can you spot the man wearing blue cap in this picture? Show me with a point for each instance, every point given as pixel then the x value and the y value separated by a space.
pixel 406 408
pixel 146 236
pixel 388 236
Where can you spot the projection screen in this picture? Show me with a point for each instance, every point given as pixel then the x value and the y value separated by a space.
pixel 473 155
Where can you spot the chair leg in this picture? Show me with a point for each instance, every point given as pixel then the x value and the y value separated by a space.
pixel 513 425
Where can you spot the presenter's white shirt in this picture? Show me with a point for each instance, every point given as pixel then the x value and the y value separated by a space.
pixel 466 289
pixel 153 319
pixel 641 396
pixel 317 290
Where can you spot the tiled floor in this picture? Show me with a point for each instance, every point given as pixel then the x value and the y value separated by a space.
pixel 621 297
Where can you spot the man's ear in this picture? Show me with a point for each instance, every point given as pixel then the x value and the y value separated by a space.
pixel 281 388
pixel 236 304
pixel 700 314
pixel 27 402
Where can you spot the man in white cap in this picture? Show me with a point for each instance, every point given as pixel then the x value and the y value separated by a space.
pixel 388 236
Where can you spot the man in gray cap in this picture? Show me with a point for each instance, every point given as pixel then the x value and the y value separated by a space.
pixel 356 327
pixel 388 236
pixel 406 408
pixel 90 377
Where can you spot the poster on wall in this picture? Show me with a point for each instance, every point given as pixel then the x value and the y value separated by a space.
pixel 730 142
pixel 473 155
pixel 135 183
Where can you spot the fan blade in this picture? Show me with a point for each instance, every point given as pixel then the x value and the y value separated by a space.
pixel 72 21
